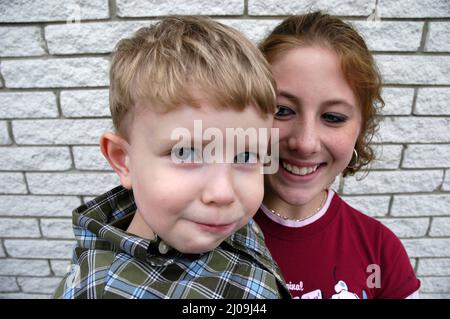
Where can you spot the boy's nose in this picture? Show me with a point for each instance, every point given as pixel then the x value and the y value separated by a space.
pixel 218 187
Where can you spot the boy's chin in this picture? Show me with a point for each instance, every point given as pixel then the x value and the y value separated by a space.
pixel 198 249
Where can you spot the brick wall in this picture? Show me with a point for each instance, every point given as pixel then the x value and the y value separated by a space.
pixel 54 106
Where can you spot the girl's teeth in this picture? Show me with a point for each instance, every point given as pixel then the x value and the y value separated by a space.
pixel 299 170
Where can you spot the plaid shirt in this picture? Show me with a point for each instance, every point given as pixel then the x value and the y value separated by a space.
pixel 108 262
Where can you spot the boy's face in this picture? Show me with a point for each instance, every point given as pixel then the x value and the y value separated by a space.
pixel 193 207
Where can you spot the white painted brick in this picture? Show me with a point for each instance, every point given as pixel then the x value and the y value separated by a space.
pixel 414 130
pixel 427 156
pixel 446 184
pixel 21 41
pixel 12 183
pixel 89 37
pixel 433 296
pixel 438 37
pixel 71 183
pixel 413 69
pixel 33 248
pixel 427 247
pixel 374 206
pixel 8 284
pixel 434 267
pixel 414 9
pixel 141 8
pixel 394 182
pixel 255 30
pixel 407 227
pixel 35 158
pixel 4 135
pixel 53 132
pixel 391 35
pixel 24 267
pixel 15 227
pixel 387 156
pixel 440 226
pixel 433 101
pixel 413 262
pixel 24 296
pixel 28 105
pixel 38 206
pixel 435 284
pixel 283 7
pixel 57 228
pixel 60 267
pixel 47 73
pixel 38 285
pixel 52 10
pixel 90 158
pixel 398 101
pixel 85 103
pixel 420 205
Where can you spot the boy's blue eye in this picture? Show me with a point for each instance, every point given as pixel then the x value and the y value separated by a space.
pixel 334 118
pixel 283 111
pixel 185 154
pixel 246 158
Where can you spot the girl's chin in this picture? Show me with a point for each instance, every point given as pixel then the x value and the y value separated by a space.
pixel 298 200
pixel 294 196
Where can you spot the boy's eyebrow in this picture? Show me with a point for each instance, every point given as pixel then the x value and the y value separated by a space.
pixel 192 142
pixel 168 141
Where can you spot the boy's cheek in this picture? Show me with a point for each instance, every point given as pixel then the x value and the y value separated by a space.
pixel 251 193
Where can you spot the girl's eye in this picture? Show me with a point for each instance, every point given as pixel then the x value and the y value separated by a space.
pixel 185 155
pixel 283 111
pixel 334 118
pixel 246 158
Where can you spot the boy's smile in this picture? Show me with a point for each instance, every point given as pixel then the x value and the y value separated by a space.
pixel 192 206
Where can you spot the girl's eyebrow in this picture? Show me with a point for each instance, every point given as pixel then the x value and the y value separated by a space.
pixel 294 99
pixel 289 96
pixel 338 102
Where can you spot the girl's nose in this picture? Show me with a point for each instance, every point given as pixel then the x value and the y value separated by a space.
pixel 305 139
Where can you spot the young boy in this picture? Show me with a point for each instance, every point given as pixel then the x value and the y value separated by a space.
pixel 179 226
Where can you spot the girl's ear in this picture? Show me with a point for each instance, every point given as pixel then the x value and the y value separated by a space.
pixel 115 149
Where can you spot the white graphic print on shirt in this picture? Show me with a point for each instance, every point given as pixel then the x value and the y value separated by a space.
pixel 340 288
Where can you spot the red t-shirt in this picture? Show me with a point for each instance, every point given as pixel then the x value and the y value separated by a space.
pixel 343 254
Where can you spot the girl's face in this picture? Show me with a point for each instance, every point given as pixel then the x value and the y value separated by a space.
pixel 319 121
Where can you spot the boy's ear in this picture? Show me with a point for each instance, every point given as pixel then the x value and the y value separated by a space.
pixel 115 149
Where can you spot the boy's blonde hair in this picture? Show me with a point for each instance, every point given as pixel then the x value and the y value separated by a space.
pixel 169 64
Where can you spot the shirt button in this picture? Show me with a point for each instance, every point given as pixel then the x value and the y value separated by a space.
pixel 163 248
pixel 256 228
